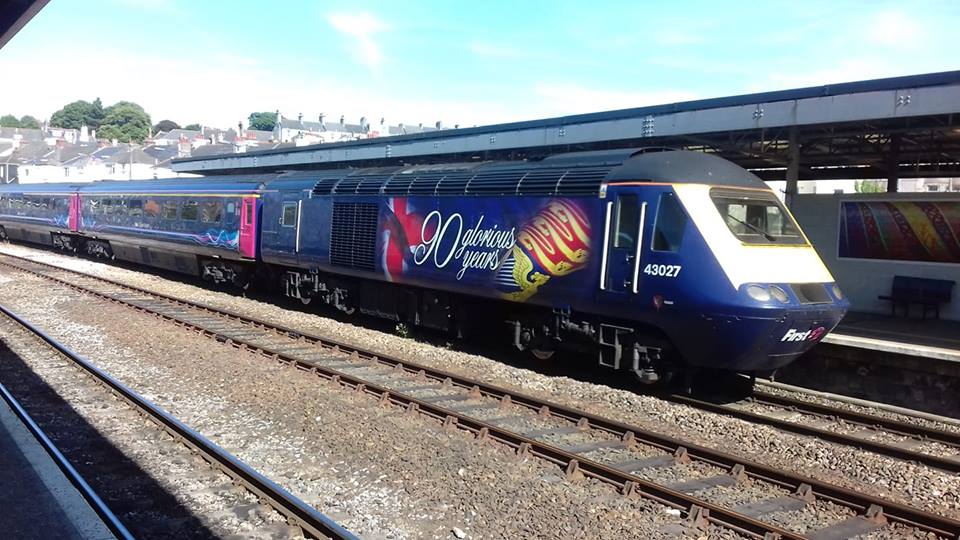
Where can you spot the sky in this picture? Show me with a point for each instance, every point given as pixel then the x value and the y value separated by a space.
pixel 214 62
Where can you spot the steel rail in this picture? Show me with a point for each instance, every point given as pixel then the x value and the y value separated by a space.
pixel 109 519
pixel 865 420
pixel 695 509
pixel 942 436
pixel 862 503
pixel 297 512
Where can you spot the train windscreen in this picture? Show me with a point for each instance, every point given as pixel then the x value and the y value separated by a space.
pixel 756 217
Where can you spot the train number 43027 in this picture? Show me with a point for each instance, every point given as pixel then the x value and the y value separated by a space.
pixel 665 270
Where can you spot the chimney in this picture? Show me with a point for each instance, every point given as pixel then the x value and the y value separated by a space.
pixel 439 124
pixel 300 120
pixel 341 120
pixel 239 130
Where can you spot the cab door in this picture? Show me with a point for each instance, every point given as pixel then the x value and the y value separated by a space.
pixel 624 242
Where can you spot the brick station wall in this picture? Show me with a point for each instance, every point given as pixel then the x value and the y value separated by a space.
pixel 915 382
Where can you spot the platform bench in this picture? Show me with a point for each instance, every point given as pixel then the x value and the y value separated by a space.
pixel 929 293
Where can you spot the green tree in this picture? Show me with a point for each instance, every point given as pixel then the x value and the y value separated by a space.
pixel 77 114
pixel 29 122
pixel 192 127
pixel 165 125
pixel 263 121
pixel 868 186
pixel 124 121
pixel 9 120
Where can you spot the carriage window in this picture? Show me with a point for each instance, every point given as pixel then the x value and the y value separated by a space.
pixel 151 208
pixel 289 218
pixel 756 217
pixel 136 207
pixel 211 212
pixel 170 210
pixel 231 208
pixel 628 221
pixel 671 222
pixel 189 211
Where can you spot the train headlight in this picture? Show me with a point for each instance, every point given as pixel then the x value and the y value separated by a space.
pixel 837 293
pixel 779 294
pixel 758 293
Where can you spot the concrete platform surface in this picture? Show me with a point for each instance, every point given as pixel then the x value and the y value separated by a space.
pixel 930 338
pixel 36 499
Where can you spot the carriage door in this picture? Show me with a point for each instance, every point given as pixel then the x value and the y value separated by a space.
pixel 625 215
pixel 248 227
pixel 73 212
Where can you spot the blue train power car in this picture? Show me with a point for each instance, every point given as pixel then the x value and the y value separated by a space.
pixel 650 261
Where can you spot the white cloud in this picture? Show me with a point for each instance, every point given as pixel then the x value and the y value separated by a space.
pixel 361 27
pixel 557 99
pixel 856 69
pixel 677 38
pixel 893 28
pixel 220 89
pixel 481 48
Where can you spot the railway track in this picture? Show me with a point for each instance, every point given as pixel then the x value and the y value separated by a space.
pixel 706 486
pixel 103 512
pixel 144 509
pixel 894 438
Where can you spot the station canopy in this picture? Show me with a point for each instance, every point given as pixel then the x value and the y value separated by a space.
pixel 897 127
pixel 15 14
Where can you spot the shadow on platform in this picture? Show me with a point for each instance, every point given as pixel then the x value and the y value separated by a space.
pixel 126 488
pixel 909 331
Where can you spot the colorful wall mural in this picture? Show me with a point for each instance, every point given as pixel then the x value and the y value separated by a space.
pixel 927 231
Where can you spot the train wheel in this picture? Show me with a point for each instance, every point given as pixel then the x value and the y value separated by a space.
pixel 305 300
pixel 542 354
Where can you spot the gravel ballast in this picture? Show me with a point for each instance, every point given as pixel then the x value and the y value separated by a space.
pixel 907 483
pixel 379 471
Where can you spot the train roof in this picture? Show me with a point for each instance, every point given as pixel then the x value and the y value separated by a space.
pixel 204 184
pixel 239 184
pixel 59 187
pixel 576 173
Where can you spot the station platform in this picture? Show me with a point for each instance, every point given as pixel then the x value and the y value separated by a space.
pixel 927 338
pixel 36 499
pixel 911 363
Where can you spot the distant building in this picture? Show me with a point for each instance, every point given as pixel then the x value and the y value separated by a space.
pixel 303 132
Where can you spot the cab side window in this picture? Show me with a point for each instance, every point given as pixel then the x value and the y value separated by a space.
pixel 628 222
pixel 289 218
pixel 670 225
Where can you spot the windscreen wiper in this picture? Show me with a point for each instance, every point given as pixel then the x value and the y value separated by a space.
pixel 758 230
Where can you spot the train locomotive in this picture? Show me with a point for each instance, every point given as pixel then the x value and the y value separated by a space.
pixel 652 262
